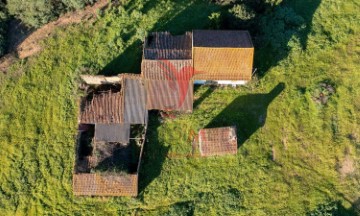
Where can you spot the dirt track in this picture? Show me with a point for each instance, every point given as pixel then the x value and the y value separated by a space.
pixel 30 45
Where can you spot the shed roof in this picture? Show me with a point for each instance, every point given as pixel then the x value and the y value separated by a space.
pixel 124 106
pixel 112 133
pixel 92 184
pixel 218 141
pixel 135 111
pixel 104 108
pixel 169 84
pixel 223 63
pixel 163 45
pixel 222 38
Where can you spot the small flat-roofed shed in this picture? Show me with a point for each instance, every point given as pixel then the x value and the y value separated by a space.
pixel 217 141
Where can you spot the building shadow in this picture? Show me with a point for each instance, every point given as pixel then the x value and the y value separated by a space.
pixel 203 96
pixel 154 154
pixel 247 112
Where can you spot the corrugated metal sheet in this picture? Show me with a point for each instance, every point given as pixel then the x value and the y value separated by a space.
pixel 168 84
pixel 163 45
pixel 167 69
pixel 105 185
pixel 112 133
pixel 104 108
pixel 222 38
pixel 135 111
pixel 223 63
pixel 167 95
pixel 217 141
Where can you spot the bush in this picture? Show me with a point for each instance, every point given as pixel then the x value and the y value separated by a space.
pixel 279 27
pixel 39 12
pixel 242 12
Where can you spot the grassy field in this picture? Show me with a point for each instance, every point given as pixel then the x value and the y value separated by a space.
pixel 298 151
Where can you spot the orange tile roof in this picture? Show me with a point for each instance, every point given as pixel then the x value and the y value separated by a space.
pixel 217 141
pixel 223 63
pixel 92 184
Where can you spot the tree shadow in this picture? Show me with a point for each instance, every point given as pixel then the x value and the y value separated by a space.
pixel 281 29
pixel 154 154
pixel 17 32
pixel 335 209
pixel 247 112
pixel 177 21
pixel 128 62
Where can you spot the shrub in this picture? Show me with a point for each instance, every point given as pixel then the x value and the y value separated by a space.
pixel 39 12
pixel 279 27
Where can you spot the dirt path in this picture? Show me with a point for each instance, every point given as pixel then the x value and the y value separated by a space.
pixel 30 44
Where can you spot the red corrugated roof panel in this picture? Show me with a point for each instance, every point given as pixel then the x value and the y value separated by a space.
pixel 169 84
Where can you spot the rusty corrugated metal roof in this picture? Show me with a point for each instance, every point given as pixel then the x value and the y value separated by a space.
pixel 222 38
pixel 218 141
pixel 169 84
pixel 167 95
pixel 167 69
pixel 105 108
pixel 92 184
pixel 163 45
pixel 126 106
pixel 135 111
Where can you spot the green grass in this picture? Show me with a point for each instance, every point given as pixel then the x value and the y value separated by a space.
pixel 287 166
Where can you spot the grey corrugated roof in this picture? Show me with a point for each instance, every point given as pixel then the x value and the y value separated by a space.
pixel 112 133
pixel 222 39
pixel 135 111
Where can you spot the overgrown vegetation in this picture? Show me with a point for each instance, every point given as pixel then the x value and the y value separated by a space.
pixel 292 152
pixel 40 12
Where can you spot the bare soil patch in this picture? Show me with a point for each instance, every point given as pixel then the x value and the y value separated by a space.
pixel 347 166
